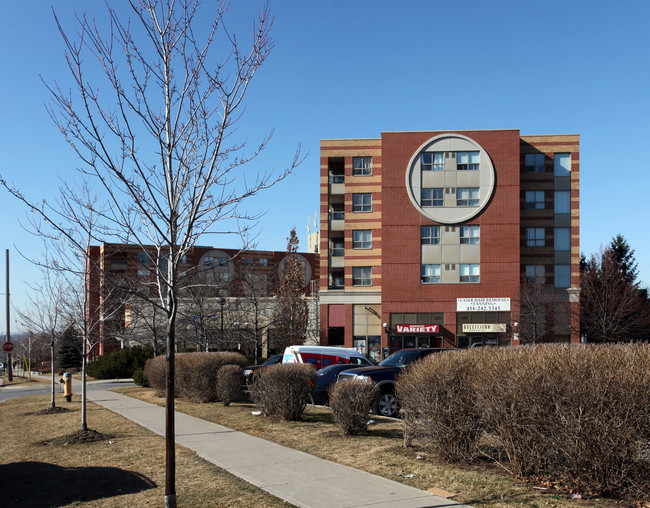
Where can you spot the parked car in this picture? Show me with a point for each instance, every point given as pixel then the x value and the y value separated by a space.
pixel 324 379
pixel 251 369
pixel 385 374
pixel 322 356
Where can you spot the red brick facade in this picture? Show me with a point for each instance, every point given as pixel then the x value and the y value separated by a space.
pixel 397 293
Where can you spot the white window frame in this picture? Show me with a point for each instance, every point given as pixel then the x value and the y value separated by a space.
pixel 429 235
pixel 362 206
pixel 467 161
pixel 433 200
pixel 467 196
pixel 535 237
pixel 362 276
pixel 470 235
pixel 362 166
pixel 429 273
pixel 432 161
pixel 470 272
pixel 362 239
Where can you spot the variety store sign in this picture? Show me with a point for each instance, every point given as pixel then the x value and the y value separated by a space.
pixel 417 328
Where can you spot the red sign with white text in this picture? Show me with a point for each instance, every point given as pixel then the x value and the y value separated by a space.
pixel 417 328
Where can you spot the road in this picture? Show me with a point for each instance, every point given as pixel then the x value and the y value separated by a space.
pixel 24 390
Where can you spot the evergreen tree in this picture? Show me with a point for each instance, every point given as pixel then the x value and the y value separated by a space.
pixel 624 256
pixel 70 349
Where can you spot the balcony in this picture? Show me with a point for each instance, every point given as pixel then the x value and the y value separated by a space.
pixel 337 259
pixel 337 184
pixel 337 220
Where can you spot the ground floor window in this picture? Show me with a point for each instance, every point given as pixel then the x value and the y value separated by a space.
pixel 475 329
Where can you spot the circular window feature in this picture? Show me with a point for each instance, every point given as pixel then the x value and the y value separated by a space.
pixel 450 179
pixel 302 262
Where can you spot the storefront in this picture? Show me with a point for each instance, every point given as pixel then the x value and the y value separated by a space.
pixel 415 330
pixel 482 322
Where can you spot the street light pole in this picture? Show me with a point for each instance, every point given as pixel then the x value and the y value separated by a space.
pixel 222 302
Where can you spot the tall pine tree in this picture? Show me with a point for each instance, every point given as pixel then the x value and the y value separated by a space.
pixel 70 349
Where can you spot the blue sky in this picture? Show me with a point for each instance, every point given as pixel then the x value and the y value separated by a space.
pixel 343 69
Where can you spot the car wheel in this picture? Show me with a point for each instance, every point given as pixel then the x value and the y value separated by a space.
pixel 387 405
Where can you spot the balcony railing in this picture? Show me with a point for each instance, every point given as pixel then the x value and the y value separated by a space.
pixel 337 215
pixel 337 252
pixel 337 178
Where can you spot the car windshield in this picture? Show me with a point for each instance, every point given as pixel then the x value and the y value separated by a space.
pixel 400 359
pixel 325 370
pixel 273 360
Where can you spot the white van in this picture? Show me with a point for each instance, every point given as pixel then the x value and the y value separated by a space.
pixel 322 356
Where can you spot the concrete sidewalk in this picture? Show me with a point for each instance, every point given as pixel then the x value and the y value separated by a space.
pixel 297 477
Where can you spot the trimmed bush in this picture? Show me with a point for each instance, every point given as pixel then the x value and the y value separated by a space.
pixel 283 390
pixel 437 400
pixel 351 402
pixel 229 383
pixel 572 415
pixel 195 376
pixel 120 364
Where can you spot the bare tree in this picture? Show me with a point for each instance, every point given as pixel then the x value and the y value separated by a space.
pixel 291 313
pixel 155 137
pixel 535 309
pixel 45 316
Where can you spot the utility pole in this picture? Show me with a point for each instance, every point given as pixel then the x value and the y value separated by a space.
pixel 10 376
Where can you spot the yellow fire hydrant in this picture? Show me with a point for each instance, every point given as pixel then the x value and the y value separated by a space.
pixel 67 386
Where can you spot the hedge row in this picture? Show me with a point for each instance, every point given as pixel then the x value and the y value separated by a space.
pixel 283 390
pixel 120 364
pixel 195 376
pixel 574 415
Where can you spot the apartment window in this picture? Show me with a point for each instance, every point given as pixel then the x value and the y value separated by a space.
pixel 338 250
pixel 469 272
pixel 119 265
pixel 430 273
pixel 430 235
pixel 469 234
pixel 535 237
pixel 432 197
pixel 562 164
pixel 562 202
pixel 361 166
pixel 362 202
pixel 562 276
pixel 467 161
pixel 536 273
pixel 432 161
pixel 362 239
pixel 562 239
pixel 535 163
pixel 362 276
pixel 143 258
pixel 467 196
pixel 248 261
pixel 264 262
pixel 535 200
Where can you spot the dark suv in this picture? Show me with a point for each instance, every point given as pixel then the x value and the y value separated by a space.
pixel 385 374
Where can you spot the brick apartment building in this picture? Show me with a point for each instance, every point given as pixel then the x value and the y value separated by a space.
pixel 232 290
pixel 449 239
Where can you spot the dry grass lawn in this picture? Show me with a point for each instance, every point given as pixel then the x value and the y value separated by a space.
pixel 37 468
pixel 381 452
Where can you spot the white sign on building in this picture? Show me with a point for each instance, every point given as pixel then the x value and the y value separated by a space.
pixel 482 304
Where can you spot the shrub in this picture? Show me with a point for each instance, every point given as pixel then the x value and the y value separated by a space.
pixel 195 374
pixel 438 406
pixel 120 364
pixel 139 377
pixel 229 383
pixel 155 372
pixel 351 402
pixel 283 390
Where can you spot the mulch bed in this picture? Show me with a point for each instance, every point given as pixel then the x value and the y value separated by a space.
pixel 80 436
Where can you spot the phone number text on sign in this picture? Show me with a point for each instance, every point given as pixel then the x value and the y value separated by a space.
pixel 482 304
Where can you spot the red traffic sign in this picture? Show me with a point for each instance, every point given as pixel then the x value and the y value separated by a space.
pixel 8 346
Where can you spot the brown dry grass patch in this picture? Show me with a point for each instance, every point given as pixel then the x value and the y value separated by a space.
pixel 48 461
pixel 381 452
